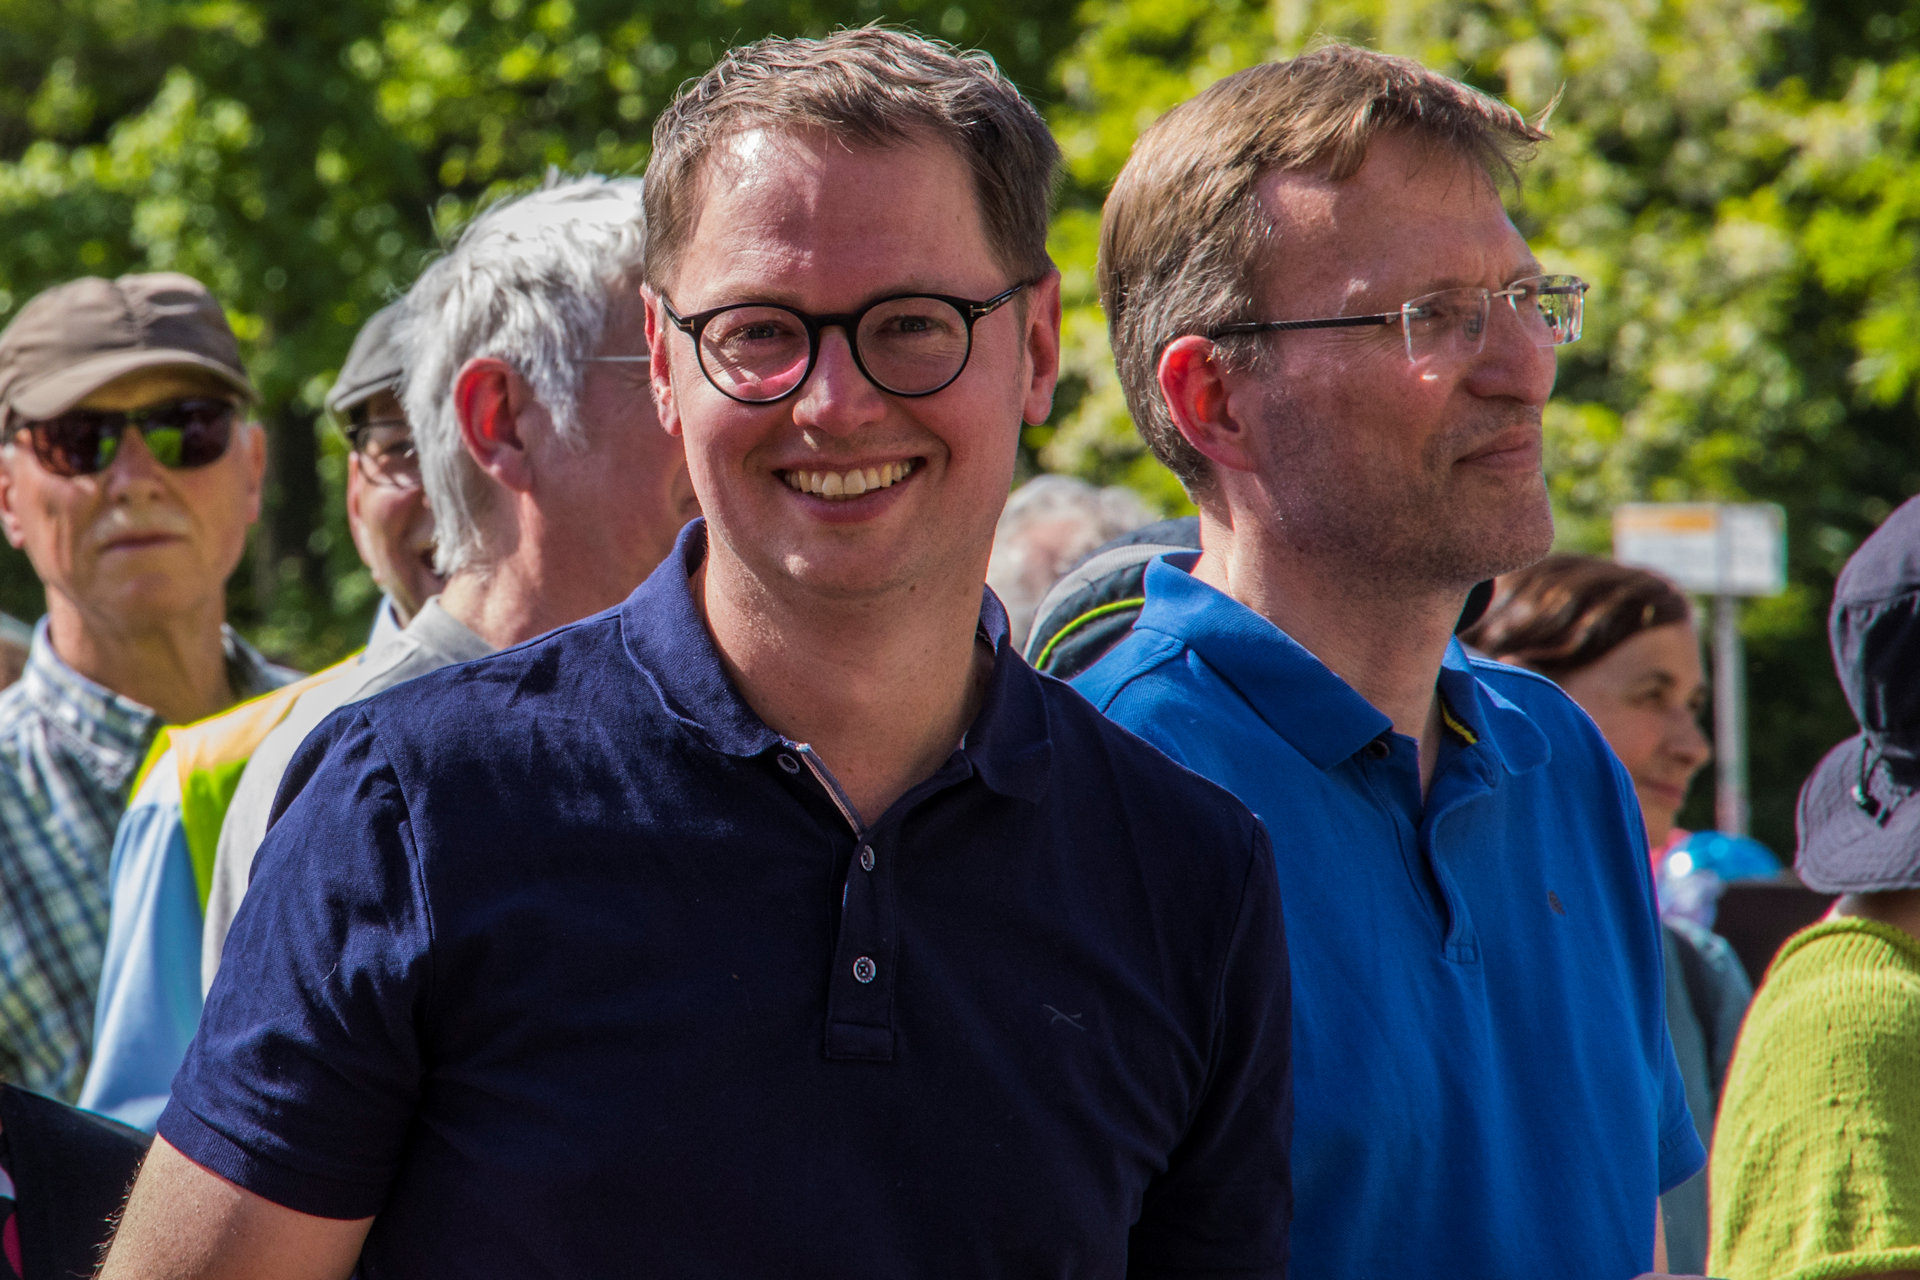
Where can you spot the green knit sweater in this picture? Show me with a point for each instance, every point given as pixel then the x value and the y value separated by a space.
pixel 1816 1158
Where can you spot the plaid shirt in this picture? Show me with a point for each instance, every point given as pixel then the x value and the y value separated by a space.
pixel 68 752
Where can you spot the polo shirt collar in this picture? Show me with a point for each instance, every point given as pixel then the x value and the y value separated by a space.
pixel 1317 712
pixel 112 723
pixel 1506 733
pixel 1300 698
pixel 115 728
pixel 442 634
pixel 1007 744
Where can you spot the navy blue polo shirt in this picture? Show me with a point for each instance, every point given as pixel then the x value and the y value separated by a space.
pixel 561 962
pixel 1482 1075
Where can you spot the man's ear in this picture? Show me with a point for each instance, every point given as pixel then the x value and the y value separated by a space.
pixel 253 441
pixel 1200 396
pixel 488 399
pixel 660 367
pixel 9 518
pixel 1042 347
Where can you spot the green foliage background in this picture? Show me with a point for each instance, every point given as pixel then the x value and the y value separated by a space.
pixel 1737 178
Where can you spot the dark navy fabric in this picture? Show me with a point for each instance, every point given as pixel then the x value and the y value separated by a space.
pixel 562 963
pixel 1483 1079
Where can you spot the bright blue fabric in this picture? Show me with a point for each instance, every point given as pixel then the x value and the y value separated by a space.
pixel 149 1000
pixel 1483 1081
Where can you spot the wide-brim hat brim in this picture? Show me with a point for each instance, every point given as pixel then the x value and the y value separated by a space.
pixel 1843 848
pixel 57 392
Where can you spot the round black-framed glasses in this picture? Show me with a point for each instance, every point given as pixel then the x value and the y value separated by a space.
pixel 906 344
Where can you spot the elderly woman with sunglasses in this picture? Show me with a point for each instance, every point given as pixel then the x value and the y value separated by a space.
pixel 128 475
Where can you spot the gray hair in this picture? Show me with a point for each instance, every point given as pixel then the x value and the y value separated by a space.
pixel 1050 524
pixel 528 282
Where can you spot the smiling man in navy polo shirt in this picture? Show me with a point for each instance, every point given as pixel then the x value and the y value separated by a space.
pixel 1329 328
pixel 781 921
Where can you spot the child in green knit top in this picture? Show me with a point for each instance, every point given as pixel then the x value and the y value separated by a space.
pixel 1816 1163
pixel 1816 1160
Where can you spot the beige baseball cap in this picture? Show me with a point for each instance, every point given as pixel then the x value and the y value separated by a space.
pixel 74 338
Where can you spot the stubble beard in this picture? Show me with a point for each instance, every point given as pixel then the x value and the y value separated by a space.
pixel 1387 536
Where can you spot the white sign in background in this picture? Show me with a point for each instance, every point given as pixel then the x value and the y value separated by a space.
pixel 1716 549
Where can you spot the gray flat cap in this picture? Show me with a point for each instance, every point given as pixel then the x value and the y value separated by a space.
pixel 373 363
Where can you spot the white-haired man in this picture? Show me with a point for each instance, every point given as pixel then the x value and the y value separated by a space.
pixel 507 358
pixel 554 490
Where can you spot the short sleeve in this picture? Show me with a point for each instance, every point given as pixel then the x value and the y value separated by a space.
pixel 306 1070
pixel 1224 1205
pixel 1681 1154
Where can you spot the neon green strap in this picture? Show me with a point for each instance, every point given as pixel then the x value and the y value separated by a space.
pixel 1099 611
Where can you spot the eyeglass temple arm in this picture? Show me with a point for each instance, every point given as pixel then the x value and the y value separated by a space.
pixel 981 310
pixel 1336 322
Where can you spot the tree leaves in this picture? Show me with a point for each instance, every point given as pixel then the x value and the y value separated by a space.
pixel 305 159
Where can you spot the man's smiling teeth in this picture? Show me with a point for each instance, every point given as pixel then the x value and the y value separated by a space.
pixel 846 484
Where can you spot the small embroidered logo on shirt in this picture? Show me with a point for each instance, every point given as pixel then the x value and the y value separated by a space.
pixel 1553 900
pixel 1071 1019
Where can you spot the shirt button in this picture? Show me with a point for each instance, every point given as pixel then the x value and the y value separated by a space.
pixel 1378 749
pixel 788 763
pixel 864 970
pixel 866 857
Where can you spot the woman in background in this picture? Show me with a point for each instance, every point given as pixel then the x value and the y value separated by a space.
pixel 1622 643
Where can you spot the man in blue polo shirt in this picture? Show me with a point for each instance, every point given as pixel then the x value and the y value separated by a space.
pixel 1330 330
pixel 780 921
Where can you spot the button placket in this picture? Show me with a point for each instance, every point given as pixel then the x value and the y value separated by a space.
pixel 860 990
pixel 860 984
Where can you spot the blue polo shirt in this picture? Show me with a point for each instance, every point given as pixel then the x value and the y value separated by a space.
pixel 561 962
pixel 1482 1075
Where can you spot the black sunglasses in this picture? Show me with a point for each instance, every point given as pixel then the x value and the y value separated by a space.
pixel 179 433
